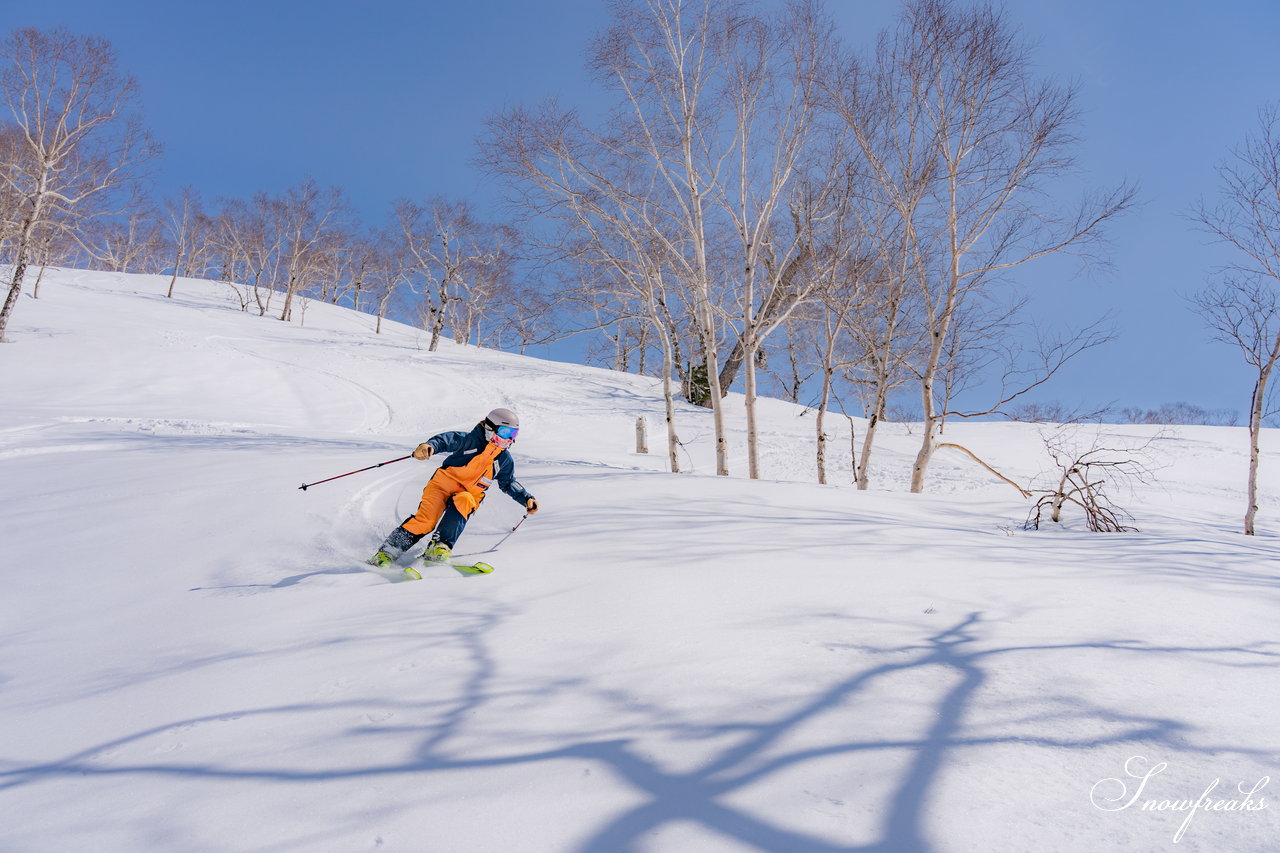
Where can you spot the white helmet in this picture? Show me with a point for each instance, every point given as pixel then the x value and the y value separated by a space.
pixel 501 426
pixel 502 417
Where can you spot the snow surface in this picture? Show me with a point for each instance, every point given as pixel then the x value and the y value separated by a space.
pixel 194 658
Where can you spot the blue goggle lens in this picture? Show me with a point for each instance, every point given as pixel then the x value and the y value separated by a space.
pixel 507 431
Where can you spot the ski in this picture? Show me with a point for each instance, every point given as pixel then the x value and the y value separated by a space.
pixel 477 568
pixel 413 570
pixel 473 568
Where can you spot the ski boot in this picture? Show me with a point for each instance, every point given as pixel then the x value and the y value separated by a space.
pixel 437 552
pixel 381 559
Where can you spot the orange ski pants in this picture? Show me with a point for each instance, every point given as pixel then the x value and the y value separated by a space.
pixel 440 491
pixel 464 487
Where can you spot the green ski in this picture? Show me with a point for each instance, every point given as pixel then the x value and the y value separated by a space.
pixel 465 568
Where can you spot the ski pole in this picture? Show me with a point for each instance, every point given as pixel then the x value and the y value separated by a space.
pixel 306 486
pixel 509 532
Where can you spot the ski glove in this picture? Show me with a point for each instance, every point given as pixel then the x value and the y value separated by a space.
pixel 423 451
pixel 531 505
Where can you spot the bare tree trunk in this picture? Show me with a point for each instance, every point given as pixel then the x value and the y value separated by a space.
pixel 669 403
pixel 853 444
pixel 384 303
pixel 257 295
pixel 1256 411
pixel 929 439
pixel 668 392
pixel 437 322
pixel 717 401
pixel 820 421
pixel 781 300
pixel 753 452
pixel 868 440
pixel 19 271
pixel 15 288
pixel 174 279
pixel 853 448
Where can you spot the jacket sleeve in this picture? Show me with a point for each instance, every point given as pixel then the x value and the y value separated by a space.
pixel 507 479
pixel 447 442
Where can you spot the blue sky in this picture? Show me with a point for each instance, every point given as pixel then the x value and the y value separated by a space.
pixel 386 99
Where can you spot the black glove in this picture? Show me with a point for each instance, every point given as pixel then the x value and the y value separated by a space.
pixel 531 505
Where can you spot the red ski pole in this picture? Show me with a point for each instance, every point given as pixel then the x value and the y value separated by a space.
pixel 509 532
pixel 495 545
pixel 306 486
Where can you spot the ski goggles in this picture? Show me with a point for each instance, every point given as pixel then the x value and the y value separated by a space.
pixel 507 432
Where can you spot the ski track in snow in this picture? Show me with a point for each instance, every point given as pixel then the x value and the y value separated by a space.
pixel 660 663
pixel 375 411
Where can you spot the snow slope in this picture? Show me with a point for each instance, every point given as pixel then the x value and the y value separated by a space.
pixel 194 658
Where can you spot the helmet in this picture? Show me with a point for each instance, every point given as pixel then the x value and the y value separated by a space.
pixel 501 427
pixel 503 417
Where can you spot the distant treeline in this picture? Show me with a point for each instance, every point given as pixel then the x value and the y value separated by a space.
pixel 1168 414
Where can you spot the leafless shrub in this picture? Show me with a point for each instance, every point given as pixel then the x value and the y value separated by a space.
pixel 1089 466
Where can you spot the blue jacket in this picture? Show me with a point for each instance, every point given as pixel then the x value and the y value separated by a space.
pixel 462 446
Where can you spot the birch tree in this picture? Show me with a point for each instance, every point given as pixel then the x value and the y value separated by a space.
pixel 665 59
pixel 132 241
pixel 984 140
pixel 880 101
pixel 1244 308
pixel 249 243
pixel 713 108
pixel 595 200
pixel 79 138
pixel 490 288
pixel 363 261
pixel 308 217
pixel 384 270
pixel 459 260
pixel 772 92
pixel 186 227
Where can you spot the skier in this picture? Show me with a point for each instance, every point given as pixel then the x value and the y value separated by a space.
pixel 476 460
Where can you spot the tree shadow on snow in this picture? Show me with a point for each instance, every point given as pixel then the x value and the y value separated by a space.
pixel 955 659
pixel 696 796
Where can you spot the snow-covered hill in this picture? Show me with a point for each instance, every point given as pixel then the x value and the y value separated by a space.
pixel 194 658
